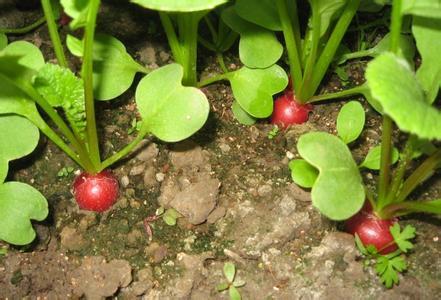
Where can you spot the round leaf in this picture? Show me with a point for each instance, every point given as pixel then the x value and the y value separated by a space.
pixel 18 137
pixel 395 87
pixel 229 271
pixel 30 55
pixel 373 159
pixel 253 89
pixel 262 12
pixel 19 203
pixel 180 5
pixel 350 121
pixel 303 173
pixel 169 110
pixel 234 293
pixel 338 192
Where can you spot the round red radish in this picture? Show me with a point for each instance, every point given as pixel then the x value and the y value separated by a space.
pixel 287 111
pixel 96 192
pixel 372 230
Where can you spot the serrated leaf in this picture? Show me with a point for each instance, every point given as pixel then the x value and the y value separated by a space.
pixel 229 271
pixel 428 40
pixel 77 10
pixel 113 68
pixel 258 47
pixel 350 121
pixel 373 158
pixel 234 293
pixel 222 287
pixel 3 41
pixel 303 173
pixel 253 89
pixel 402 237
pixel 241 115
pixel 179 5
pixel 338 192
pixel 394 85
pixel 61 88
pixel 388 269
pixel 20 203
pixel 169 110
pixel 262 12
pixel 18 138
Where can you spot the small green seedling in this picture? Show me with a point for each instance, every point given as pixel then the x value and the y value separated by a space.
pixel 3 251
pixel 169 216
pixel 273 132
pixel 135 126
pixel 388 266
pixel 232 283
pixel 65 171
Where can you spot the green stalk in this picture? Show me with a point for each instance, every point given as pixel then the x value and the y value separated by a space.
pixel 312 57
pixel 188 30
pixel 221 61
pixel 346 93
pixel 125 151
pixel 331 47
pixel 25 29
pixel 53 32
pixel 213 79
pixel 292 48
pixel 419 175
pixel 386 138
pixel 171 36
pixel 210 26
pixel 357 54
pixel 87 74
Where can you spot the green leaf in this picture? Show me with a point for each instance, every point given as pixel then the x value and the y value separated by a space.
pixel 253 89
pixel 395 86
pixel 169 110
pixel 170 216
pixel 360 245
pixel 234 293
pixel 373 159
pixel 19 203
pixel 180 5
pixel 241 115
pixel 338 192
pixel 77 10
pixel 229 271
pixel 372 5
pixel 18 138
pixel 350 121
pixel 428 40
pixel 113 68
pixel 262 12
pixel 402 237
pixel 258 47
pixel 421 146
pixel 222 287
pixel 238 283
pixel 388 269
pixel 328 10
pixel 303 173
pixel 60 87
pixel 3 41
pixel 30 56
pixel 433 206
pixel 422 8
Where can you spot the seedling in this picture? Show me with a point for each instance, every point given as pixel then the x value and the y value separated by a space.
pixel 232 283
pixel 388 266
pixel 65 171
pixel 169 111
pixel 402 97
pixel 273 133
pixel 169 216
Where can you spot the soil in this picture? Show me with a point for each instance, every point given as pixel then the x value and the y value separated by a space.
pixel 231 185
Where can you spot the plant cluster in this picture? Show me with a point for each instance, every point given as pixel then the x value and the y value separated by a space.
pixel 303 37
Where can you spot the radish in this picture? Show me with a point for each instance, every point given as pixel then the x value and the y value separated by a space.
pixel 372 230
pixel 95 192
pixel 287 111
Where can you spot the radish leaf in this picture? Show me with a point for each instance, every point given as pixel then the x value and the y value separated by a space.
pixel 388 268
pixel 179 5
pixel 169 110
pixel 422 8
pixel 241 115
pixel 394 85
pixel 19 203
pixel 338 192
pixel 350 121
pixel 77 10
pixel 373 159
pixel 402 237
pixel 303 173
pixel 234 293
pixel 253 39
pixel 229 271
pixel 253 89
pixel 262 12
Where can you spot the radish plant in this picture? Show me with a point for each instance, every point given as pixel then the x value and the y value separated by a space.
pixel 254 84
pixel 28 85
pixel 405 99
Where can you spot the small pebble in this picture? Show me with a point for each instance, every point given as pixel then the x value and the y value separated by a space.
pixel 125 181
pixel 289 154
pixel 160 177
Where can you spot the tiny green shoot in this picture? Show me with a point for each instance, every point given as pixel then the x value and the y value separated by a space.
pixel 232 284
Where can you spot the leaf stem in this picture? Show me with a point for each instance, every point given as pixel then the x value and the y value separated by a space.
pixel 87 74
pixel 331 47
pixel 213 79
pixel 53 32
pixel 295 66
pixel 221 61
pixel 171 36
pixel 188 30
pixel 345 93
pixel 25 29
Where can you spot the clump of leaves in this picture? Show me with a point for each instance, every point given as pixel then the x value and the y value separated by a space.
pixel 273 132
pixel 232 283
pixel 65 171
pixel 169 215
pixel 388 266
